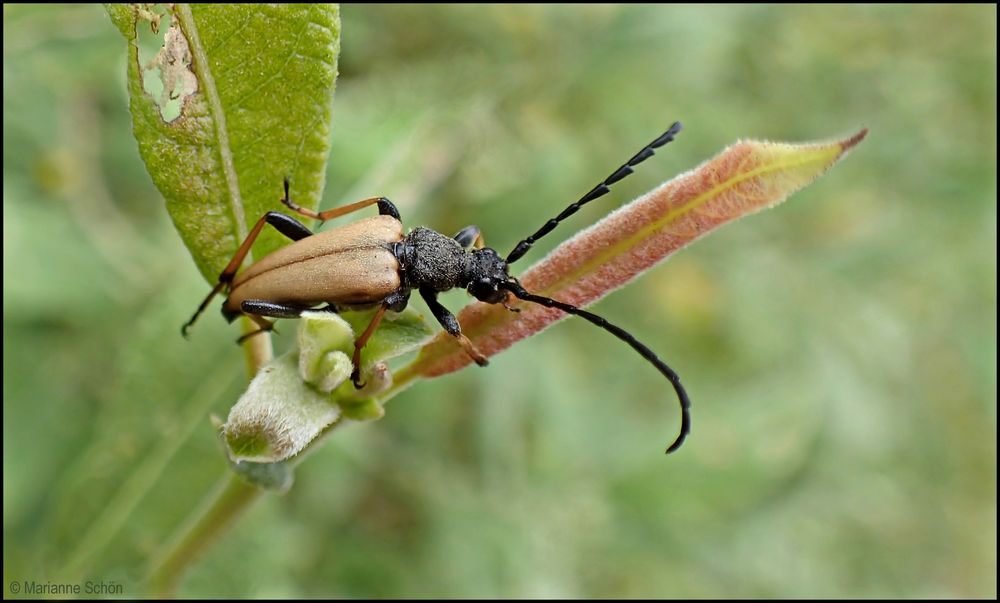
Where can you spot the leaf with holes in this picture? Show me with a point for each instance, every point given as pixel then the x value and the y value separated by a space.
pixel 245 101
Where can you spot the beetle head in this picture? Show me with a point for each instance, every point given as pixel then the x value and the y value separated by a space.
pixel 486 274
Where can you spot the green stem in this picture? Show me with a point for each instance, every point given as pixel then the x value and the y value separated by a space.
pixel 257 351
pixel 210 521
pixel 119 509
pixel 219 509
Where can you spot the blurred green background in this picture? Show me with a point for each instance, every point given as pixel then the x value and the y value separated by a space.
pixel 840 350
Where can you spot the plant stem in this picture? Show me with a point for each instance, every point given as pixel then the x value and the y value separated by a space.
pixel 219 509
pixel 216 514
pixel 257 351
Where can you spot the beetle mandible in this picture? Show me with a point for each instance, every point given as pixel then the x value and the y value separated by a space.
pixel 372 262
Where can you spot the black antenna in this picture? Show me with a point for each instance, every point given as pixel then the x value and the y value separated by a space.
pixel 598 191
pixel 519 291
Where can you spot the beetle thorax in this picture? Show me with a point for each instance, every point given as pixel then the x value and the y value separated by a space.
pixel 430 260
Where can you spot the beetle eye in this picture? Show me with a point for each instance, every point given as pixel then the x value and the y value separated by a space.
pixel 484 290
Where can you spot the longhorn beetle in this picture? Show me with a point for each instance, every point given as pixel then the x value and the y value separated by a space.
pixel 372 262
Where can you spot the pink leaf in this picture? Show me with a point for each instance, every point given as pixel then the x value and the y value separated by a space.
pixel 745 178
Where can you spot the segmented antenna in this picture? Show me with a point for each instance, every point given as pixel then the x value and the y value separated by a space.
pixel 519 291
pixel 598 191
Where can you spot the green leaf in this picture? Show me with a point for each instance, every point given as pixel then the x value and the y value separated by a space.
pixel 324 342
pixel 297 397
pixel 251 87
pixel 123 16
pixel 396 335
pixel 278 415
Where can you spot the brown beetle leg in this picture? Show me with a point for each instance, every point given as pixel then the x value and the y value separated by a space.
pixel 385 207
pixel 266 326
pixel 360 343
pixel 450 324
pixel 201 307
pixel 471 350
pixel 286 225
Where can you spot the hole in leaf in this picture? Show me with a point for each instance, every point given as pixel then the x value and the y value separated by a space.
pixel 165 61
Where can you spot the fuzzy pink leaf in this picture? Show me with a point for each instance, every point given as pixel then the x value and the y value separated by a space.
pixel 743 179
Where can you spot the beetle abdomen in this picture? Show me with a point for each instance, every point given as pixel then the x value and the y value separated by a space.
pixel 352 264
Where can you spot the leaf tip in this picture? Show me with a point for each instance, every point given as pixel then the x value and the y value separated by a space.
pixel 853 141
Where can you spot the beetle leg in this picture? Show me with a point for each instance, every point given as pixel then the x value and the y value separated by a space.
pixel 201 307
pixel 264 324
pixel 398 300
pixel 286 225
pixel 360 343
pixel 470 237
pixel 450 324
pixel 259 307
pixel 385 208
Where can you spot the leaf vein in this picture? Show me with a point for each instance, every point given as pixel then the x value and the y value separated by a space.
pixel 278 73
pixel 239 29
pixel 186 18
